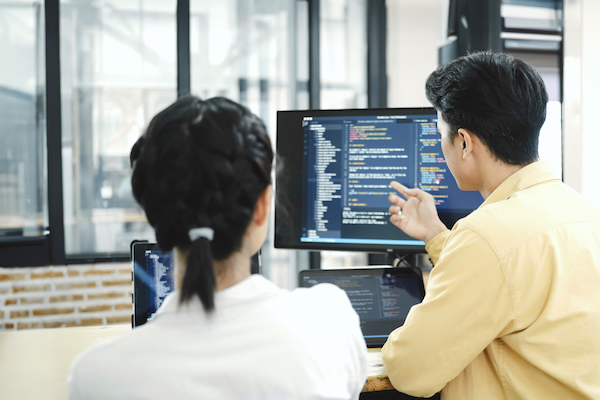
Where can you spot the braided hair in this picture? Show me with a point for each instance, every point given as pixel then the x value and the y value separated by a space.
pixel 201 164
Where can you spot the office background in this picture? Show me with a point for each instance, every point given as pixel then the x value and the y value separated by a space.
pixel 81 79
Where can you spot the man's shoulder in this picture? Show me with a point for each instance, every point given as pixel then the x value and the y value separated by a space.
pixel 538 210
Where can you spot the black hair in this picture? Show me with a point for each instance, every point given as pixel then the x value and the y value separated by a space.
pixel 201 164
pixel 499 98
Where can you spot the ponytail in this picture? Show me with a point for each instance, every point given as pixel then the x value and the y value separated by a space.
pixel 199 278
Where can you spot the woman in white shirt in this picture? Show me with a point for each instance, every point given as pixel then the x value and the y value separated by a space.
pixel 202 174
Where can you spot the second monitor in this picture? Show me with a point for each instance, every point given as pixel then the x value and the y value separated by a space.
pixel 337 169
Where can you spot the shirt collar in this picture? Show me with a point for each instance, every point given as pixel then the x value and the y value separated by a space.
pixel 253 288
pixel 528 176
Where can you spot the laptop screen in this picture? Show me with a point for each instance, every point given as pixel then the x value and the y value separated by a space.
pixel 382 297
pixel 153 280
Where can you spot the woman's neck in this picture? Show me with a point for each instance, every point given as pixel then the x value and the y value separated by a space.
pixel 231 271
pixel 228 272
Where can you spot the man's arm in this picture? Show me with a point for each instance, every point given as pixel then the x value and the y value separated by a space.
pixel 468 305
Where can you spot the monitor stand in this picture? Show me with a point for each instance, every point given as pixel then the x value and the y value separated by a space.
pixel 396 259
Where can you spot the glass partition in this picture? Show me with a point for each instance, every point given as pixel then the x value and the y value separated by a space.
pixel 118 69
pixel 343 53
pixel 343 65
pixel 255 53
pixel 23 190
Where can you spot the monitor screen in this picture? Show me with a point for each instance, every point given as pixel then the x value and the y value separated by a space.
pixel 332 190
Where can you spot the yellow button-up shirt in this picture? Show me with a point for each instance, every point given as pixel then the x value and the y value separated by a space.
pixel 512 309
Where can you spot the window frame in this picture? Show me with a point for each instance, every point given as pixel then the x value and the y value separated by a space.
pixel 49 249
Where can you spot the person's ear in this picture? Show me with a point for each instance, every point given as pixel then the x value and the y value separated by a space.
pixel 467 140
pixel 263 207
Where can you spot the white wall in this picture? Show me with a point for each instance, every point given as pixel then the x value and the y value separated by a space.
pixel 416 29
pixel 582 97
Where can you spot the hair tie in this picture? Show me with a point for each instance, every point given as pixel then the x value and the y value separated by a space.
pixel 197 233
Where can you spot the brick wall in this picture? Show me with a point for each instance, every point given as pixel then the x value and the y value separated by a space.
pixel 61 296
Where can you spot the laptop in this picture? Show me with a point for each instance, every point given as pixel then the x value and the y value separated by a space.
pixel 381 296
pixel 153 279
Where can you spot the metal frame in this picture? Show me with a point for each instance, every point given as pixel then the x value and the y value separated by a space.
pixel 477 26
pixel 561 72
pixel 314 83
pixel 54 134
pixel 314 54
pixel 183 48
pixel 376 53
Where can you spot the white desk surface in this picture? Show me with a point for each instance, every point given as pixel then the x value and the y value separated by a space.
pixel 34 364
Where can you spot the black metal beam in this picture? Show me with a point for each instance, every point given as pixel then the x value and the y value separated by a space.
pixel 377 72
pixel 376 53
pixel 477 26
pixel 314 260
pixel 561 75
pixel 54 133
pixel 480 23
pixel 24 251
pixel 314 56
pixel 183 48
pixel 314 82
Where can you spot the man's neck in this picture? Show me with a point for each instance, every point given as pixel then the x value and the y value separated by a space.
pixel 493 174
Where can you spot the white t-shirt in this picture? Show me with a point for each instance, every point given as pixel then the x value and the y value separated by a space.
pixel 261 342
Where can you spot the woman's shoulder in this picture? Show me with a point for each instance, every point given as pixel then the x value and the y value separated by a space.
pixel 322 291
pixel 324 295
pixel 113 365
pixel 324 302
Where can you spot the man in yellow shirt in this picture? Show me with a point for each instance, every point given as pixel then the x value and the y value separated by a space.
pixel 512 309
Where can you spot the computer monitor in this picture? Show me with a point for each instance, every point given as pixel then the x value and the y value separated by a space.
pixel 333 185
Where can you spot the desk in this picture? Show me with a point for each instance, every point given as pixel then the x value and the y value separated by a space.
pixel 377 379
pixel 34 364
